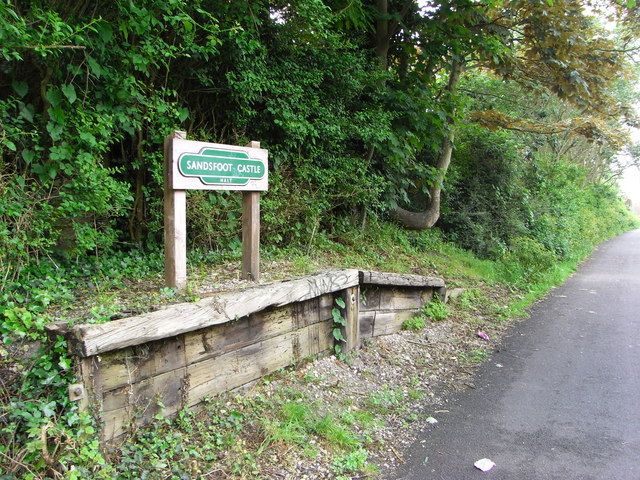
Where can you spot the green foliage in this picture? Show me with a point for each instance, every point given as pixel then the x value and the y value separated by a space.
pixel 527 260
pixel 299 420
pixel 414 324
pixel 507 185
pixel 471 299
pixel 484 200
pixel 37 414
pixel 92 95
pixel 385 400
pixel 436 310
pixel 339 323
pixel 475 356
pixel 180 447
pixel 351 462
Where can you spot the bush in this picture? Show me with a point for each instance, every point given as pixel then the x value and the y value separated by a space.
pixel 527 260
pixel 484 200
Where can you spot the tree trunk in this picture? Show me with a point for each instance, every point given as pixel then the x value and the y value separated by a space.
pixel 382 33
pixel 136 219
pixel 428 217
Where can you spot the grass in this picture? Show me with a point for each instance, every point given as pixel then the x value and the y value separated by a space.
pixel 385 400
pixel 298 421
pixel 475 356
pixel 520 301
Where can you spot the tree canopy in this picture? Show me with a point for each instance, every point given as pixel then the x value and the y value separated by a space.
pixel 358 103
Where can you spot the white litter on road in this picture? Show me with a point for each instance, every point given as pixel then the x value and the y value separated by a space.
pixel 431 420
pixel 484 464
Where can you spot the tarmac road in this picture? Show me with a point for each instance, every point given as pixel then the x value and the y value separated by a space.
pixel 566 402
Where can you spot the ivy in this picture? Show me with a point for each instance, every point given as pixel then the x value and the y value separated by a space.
pixel 339 323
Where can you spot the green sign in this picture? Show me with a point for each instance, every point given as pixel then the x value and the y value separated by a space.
pixel 215 166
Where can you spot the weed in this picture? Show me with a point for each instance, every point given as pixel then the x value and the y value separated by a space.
pixel 366 420
pixel 471 299
pixel 339 323
pixel 436 310
pixel 414 324
pixel 415 394
pixel 385 400
pixel 298 421
pixel 475 356
pixel 335 433
pixel 311 378
pixel 351 462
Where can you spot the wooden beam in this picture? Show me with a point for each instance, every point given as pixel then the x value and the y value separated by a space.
pixel 399 280
pixel 351 331
pixel 251 232
pixel 175 221
pixel 251 236
pixel 186 317
pixel 390 321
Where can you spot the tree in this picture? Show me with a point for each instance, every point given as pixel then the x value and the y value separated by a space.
pixel 557 46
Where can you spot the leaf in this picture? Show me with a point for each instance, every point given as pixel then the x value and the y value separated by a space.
pixel 89 138
pixel 183 114
pixel 95 68
pixel 28 155
pixel 10 145
pixel 21 88
pixel 64 363
pixel 26 112
pixel 337 317
pixel 54 97
pixel 57 114
pixel 49 409
pixel 340 303
pixel 631 4
pixel 55 130
pixel 105 31
pixel 337 334
pixel 69 92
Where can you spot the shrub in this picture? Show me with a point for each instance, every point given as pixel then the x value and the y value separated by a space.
pixel 527 260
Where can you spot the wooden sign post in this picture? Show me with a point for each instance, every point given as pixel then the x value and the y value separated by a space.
pixel 190 165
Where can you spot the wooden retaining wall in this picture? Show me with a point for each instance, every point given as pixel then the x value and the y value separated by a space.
pixel 137 367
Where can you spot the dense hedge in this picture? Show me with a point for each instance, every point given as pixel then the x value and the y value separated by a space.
pixel 87 95
pixel 88 92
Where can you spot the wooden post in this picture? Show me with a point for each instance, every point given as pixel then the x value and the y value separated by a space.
pixel 351 313
pixel 175 221
pixel 251 232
